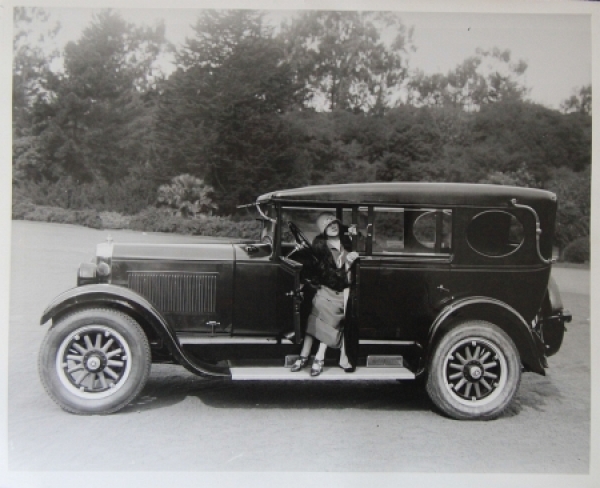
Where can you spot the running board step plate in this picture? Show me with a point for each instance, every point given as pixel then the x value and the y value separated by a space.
pixel 330 373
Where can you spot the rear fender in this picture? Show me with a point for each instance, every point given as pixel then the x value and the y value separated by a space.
pixel 499 313
pixel 111 296
pixel 552 320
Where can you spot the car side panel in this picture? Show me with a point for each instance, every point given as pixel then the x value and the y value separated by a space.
pixel 194 296
pixel 522 288
pixel 255 295
pixel 412 291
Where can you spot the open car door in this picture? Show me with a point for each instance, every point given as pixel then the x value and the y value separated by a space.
pixel 289 299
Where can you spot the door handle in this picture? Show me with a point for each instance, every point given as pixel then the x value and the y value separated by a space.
pixel 443 288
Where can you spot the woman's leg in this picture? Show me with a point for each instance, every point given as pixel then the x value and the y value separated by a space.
pixel 303 359
pixel 307 346
pixel 321 352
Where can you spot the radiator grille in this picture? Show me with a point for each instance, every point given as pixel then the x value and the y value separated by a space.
pixel 177 293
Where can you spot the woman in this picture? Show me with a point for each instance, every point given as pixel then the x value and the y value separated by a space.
pixel 331 273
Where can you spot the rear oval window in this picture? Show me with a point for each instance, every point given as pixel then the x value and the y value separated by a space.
pixel 424 229
pixel 495 233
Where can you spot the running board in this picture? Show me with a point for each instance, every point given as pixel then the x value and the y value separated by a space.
pixel 330 373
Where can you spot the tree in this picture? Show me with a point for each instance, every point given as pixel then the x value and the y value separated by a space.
pixel 507 136
pixel 31 63
pixel 31 69
pixel 412 142
pixel 343 61
pixel 573 191
pixel 579 102
pixel 520 177
pixel 221 113
pixel 487 77
pixel 89 126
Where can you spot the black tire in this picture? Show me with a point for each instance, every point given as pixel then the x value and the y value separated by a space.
pixel 94 361
pixel 475 372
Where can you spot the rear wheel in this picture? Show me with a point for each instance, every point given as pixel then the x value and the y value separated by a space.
pixel 474 372
pixel 94 361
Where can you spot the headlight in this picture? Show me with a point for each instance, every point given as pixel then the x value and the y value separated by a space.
pixel 104 252
pixel 103 269
pixel 86 274
pixel 87 271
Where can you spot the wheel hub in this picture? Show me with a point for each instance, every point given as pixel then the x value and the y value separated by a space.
pixel 94 362
pixel 474 372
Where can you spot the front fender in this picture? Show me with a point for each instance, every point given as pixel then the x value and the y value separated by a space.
pixel 106 295
pixel 501 314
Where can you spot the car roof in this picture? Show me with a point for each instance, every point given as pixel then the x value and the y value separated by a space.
pixel 411 193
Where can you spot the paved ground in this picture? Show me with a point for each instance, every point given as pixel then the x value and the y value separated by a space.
pixel 186 423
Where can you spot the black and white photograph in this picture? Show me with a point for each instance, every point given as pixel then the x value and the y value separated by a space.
pixel 328 243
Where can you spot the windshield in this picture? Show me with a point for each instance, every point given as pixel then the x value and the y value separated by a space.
pixel 304 218
pixel 267 231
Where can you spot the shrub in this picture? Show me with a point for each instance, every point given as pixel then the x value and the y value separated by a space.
pixel 128 196
pixel 153 219
pixel 187 195
pixel 114 220
pixel 577 251
pixel 21 208
pixel 162 220
pixel 87 218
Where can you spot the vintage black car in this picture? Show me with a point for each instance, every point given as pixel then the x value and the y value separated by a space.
pixel 452 287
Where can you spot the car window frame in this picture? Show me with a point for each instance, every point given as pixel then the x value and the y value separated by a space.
pixel 338 208
pixel 437 254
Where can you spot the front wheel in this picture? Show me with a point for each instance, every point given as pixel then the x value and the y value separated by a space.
pixel 94 361
pixel 474 372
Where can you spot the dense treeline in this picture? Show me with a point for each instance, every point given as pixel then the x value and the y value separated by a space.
pixel 251 108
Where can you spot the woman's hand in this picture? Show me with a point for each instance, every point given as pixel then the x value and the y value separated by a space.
pixel 350 258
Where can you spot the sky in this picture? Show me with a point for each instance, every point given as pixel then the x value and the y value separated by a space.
pixel 556 47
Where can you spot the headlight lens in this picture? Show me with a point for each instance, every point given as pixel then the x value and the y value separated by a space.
pixel 103 269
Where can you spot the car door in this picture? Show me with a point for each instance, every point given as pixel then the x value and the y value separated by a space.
pixel 289 299
pixel 411 249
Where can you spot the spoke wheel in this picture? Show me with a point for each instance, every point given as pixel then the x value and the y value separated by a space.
pixel 94 361
pixel 474 372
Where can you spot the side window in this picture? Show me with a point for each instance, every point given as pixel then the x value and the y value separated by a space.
pixel 388 230
pixel 361 226
pixel 422 231
pixel 429 225
pixel 495 233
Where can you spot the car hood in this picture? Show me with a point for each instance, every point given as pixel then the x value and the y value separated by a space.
pixel 211 251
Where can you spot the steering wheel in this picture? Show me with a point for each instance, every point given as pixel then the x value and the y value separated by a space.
pixel 301 240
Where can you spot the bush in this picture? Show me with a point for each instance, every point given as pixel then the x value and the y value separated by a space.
pixel 127 196
pixel 114 220
pixel 87 218
pixel 187 195
pixel 21 208
pixel 162 220
pixel 577 251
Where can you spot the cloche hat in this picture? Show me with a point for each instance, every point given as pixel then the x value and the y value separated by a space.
pixel 325 220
